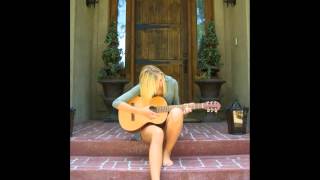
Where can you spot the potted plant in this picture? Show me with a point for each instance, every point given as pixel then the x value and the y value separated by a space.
pixel 111 76
pixel 209 65
pixel 72 112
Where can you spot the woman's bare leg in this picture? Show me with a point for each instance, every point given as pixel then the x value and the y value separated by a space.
pixel 173 128
pixel 154 136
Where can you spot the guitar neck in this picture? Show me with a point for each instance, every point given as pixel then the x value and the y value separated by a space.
pixel 160 109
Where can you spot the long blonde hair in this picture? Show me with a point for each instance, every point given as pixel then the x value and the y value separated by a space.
pixel 147 80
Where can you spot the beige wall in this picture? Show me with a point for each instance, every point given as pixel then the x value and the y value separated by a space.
pixel 233 23
pixel 88 28
pixel 225 70
pixel 72 23
pixel 240 52
pixel 81 21
pixel 100 27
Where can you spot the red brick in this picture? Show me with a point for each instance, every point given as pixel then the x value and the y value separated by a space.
pixel 209 162
pixel 139 169
pixel 87 168
pixel 108 165
pixel 108 152
pixel 174 172
pixel 137 158
pixel 138 165
pixel 122 145
pixel 117 159
pixel 96 161
pixel 229 167
pixel 191 163
pixel 80 160
pixel 121 165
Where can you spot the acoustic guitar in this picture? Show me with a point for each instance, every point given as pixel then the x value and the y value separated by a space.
pixel 132 122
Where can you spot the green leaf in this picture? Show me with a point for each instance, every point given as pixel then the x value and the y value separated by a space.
pixel 208 54
pixel 111 55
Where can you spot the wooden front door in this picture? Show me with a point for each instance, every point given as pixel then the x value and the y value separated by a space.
pixel 160 39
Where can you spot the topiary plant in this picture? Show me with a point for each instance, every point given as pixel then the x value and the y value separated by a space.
pixel 111 56
pixel 208 54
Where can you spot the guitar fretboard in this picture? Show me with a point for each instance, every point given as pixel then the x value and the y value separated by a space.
pixel 160 109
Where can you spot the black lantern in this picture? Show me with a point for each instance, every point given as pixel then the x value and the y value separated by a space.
pixel 72 112
pixel 237 118
pixel 91 3
pixel 232 2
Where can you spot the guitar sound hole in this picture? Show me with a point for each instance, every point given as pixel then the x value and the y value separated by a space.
pixel 132 115
pixel 152 108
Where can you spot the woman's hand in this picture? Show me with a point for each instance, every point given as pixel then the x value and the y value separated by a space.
pixel 148 113
pixel 217 106
pixel 187 108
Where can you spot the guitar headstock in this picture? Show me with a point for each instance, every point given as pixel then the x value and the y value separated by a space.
pixel 212 106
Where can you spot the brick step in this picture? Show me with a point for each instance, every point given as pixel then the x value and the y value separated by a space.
pixel 232 167
pixel 108 139
pixel 138 148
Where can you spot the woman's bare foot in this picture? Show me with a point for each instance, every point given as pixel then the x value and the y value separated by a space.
pixel 166 160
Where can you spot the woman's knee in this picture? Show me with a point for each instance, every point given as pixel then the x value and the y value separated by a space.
pixel 176 114
pixel 157 133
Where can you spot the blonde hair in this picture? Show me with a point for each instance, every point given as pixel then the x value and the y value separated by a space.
pixel 147 80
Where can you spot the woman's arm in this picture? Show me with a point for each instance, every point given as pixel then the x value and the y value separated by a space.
pixel 176 99
pixel 127 107
pixel 124 98
pixel 121 103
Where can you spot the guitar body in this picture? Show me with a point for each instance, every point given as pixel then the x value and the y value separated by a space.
pixel 133 122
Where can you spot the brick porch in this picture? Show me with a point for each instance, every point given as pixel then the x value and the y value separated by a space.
pixel 204 151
